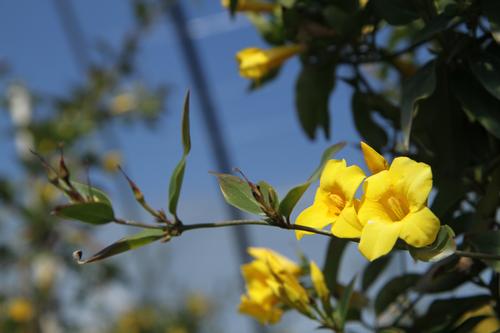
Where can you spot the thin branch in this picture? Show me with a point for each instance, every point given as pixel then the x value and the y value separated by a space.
pixel 137 224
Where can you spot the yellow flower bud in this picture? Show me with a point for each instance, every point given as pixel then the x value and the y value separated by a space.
pixel 111 161
pixel 318 280
pixel 374 160
pixel 256 63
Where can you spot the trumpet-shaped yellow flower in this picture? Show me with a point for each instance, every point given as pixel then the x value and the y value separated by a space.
pixel 265 282
pixel 334 202
pixel 255 6
pixel 373 159
pixel 318 280
pixel 256 63
pixel 394 205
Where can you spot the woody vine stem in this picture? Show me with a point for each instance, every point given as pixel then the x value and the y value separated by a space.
pixel 179 228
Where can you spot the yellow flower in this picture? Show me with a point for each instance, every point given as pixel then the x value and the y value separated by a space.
pixel 362 3
pixel 394 205
pixel 334 202
pixel 256 63
pixel 374 160
pixel 489 324
pixel 111 161
pixel 251 6
pixel 318 281
pixel 261 276
pixel 20 310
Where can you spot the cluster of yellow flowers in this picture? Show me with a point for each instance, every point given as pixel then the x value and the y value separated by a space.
pixel 272 283
pixel 393 204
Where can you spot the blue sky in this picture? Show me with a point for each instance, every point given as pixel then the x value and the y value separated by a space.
pixel 261 130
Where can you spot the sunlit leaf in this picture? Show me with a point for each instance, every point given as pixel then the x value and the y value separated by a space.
pixel 88 212
pixel 238 193
pixel 125 244
pixel 443 246
pixel 420 86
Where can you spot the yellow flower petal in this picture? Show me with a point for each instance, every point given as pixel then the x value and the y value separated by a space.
pixel 347 225
pixel 377 185
pixel 377 239
pixel 414 179
pixel 318 281
pixel 264 314
pixel 256 63
pixel 372 211
pixel 338 177
pixel 374 160
pixel 420 228
pixel 315 216
pixel 272 259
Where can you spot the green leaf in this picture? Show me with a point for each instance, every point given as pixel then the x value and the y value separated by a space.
pixel 238 193
pixel 373 270
pixel 233 4
pixel 416 88
pixel 487 242
pixel 293 196
pixel 443 246
pixel 186 135
pixel 270 194
pixel 313 89
pixel 491 9
pixel 88 212
pixel 446 275
pixel 469 324
pixel 342 309
pixel 396 12
pixel 333 259
pixel 125 244
pixel 490 200
pixel 91 193
pixel 369 130
pixel 438 24
pixel 392 289
pixel 477 103
pixel 487 70
pixel 177 177
pixel 449 310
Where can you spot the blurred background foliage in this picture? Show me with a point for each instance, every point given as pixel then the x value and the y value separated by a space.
pixel 425 81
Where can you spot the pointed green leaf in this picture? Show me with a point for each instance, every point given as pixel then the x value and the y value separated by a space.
pixel 294 195
pixel 392 289
pixel 373 270
pixel 333 259
pixel 487 242
pixel 437 24
pixel 396 12
pixel 365 123
pixel 342 309
pixel 312 94
pixel 487 71
pixel 238 193
pixel 88 212
pixel 177 177
pixel 477 103
pixel 186 135
pixel 443 246
pixel 418 87
pixel 125 244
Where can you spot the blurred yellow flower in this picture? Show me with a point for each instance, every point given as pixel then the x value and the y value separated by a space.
pixel 177 329
pixel 334 202
pixel 251 6
pixel 394 205
pixel 373 159
pixel 362 3
pixel 256 63
pixel 489 324
pixel 123 103
pixel 111 161
pixel 268 278
pixel 20 310
pixel 318 280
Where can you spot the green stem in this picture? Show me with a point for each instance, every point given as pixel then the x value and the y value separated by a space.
pixel 137 224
